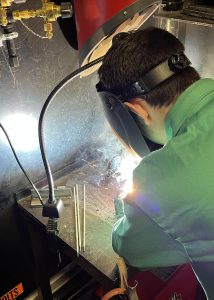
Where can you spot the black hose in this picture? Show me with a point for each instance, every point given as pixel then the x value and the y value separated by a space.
pixel 56 90
pixel 19 163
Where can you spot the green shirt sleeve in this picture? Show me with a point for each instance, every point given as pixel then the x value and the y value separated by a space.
pixel 142 243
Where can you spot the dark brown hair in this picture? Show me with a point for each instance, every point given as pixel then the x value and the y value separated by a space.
pixel 135 53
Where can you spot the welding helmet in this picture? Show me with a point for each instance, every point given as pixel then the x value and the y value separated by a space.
pixel 118 115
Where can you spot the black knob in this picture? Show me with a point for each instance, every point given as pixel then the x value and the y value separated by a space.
pixel 13 61
pixel 66 10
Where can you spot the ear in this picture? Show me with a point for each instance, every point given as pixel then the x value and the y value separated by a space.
pixel 137 106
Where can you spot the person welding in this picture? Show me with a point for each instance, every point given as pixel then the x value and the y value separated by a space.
pixel 151 95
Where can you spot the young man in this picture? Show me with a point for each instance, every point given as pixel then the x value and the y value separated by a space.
pixel 169 218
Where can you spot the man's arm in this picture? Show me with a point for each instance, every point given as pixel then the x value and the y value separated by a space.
pixel 142 243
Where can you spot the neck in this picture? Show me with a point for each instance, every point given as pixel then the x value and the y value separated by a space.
pixel 155 130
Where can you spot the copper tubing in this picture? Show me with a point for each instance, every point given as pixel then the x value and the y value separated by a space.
pixel 112 293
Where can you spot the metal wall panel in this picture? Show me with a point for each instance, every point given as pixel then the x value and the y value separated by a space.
pixel 73 124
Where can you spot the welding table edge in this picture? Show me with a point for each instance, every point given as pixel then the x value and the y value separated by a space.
pixel 106 282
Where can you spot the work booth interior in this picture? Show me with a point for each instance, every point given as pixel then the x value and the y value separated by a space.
pixel 81 150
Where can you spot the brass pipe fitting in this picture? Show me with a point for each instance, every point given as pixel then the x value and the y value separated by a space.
pixel 49 11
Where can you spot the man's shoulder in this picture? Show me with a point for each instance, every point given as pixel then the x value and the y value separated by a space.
pixel 166 166
pixel 154 164
pixel 192 149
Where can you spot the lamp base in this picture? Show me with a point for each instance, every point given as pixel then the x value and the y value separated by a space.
pixel 53 210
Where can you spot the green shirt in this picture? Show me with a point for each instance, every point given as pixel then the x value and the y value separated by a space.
pixel 170 220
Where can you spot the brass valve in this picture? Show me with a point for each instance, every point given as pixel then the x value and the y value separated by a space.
pixel 3 16
pixel 3 11
pixel 4 7
pixel 6 3
pixel 49 11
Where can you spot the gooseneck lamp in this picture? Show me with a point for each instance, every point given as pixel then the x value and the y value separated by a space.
pixel 97 21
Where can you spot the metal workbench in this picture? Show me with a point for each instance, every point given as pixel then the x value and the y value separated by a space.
pixel 99 259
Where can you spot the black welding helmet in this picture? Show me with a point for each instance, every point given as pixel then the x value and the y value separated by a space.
pixel 120 118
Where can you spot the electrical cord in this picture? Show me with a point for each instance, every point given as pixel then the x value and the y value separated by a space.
pixel 19 163
pixel 55 91
pixel 31 31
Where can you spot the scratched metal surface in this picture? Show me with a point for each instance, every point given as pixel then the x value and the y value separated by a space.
pixel 75 128
pixel 198 39
pixel 75 132
pixel 74 124
pixel 100 217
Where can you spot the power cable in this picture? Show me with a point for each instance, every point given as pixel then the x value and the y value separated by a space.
pixel 19 163
pixel 52 95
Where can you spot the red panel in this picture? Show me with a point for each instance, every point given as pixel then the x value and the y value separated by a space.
pixel 92 14
pixel 181 285
pixel 148 286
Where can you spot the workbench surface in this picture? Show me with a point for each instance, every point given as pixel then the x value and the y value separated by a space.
pixel 99 257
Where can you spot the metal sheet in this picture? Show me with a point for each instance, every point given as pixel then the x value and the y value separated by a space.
pixel 198 39
pixel 74 125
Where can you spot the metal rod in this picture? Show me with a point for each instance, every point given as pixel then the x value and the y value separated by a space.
pixel 76 221
pixel 84 224
pixel 78 217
